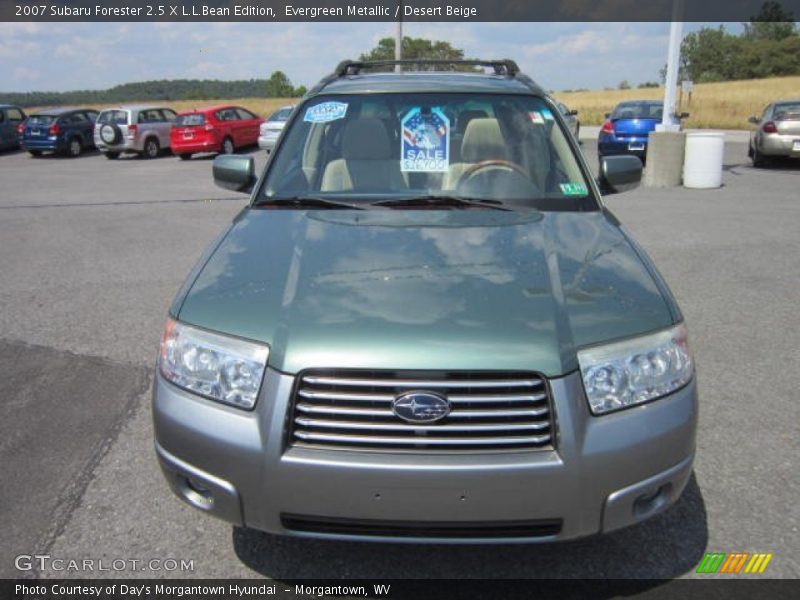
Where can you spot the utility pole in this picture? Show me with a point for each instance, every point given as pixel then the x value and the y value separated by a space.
pixel 669 122
pixel 398 39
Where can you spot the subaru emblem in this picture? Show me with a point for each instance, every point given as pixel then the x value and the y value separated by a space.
pixel 421 407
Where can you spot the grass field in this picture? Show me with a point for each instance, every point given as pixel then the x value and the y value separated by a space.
pixel 724 105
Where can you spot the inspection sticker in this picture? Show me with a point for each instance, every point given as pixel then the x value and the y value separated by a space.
pixel 547 114
pixel 325 112
pixel 536 117
pixel 425 141
pixel 573 189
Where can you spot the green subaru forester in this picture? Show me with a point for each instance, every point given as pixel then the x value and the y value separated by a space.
pixel 425 326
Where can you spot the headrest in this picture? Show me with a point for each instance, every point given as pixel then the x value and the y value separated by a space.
pixel 466 116
pixel 483 140
pixel 366 139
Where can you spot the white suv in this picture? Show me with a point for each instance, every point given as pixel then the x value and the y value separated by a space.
pixel 140 130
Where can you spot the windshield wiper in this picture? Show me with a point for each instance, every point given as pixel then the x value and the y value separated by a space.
pixel 434 200
pixel 313 201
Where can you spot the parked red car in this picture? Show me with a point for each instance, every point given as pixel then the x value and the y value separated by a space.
pixel 214 129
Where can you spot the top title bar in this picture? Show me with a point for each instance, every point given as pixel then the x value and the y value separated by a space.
pixel 392 10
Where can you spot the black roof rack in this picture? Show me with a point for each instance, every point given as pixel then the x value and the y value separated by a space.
pixel 501 67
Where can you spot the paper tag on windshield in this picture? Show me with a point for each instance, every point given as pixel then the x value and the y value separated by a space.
pixel 326 112
pixel 536 117
pixel 425 142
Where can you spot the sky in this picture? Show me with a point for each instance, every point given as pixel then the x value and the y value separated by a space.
pixel 69 56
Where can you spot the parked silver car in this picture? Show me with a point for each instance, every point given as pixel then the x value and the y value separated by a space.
pixel 777 134
pixel 140 130
pixel 271 128
pixel 571 118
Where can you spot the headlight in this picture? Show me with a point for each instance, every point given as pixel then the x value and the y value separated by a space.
pixel 219 367
pixel 623 374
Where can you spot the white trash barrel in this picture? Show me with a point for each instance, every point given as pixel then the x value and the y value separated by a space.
pixel 702 162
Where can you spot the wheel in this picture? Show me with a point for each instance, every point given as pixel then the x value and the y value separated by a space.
pixel 75 147
pixel 185 156
pixel 227 146
pixel 759 160
pixel 112 155
pixel 151 148
pixel 111 134
pixel 35 153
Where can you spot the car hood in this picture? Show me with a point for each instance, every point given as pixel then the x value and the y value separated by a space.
pixel 421 289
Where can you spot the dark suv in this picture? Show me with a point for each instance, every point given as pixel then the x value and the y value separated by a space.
pixel 11 118
pixel 60 130
pixel 426 326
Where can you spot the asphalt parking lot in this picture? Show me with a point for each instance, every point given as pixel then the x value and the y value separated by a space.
pixel 94 250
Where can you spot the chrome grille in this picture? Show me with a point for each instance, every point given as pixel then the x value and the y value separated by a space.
pixel 489 411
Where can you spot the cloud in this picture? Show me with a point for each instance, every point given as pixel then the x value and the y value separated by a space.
pixel 92 55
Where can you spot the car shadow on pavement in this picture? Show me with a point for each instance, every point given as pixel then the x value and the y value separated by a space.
pixel 664 547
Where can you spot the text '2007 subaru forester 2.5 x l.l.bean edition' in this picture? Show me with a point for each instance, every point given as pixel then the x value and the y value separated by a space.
pixel 425 326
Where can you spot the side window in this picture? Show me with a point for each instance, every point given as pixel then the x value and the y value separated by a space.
pixel 245 114
pixel 168 115
pixel 91 115
pixel 15 114
pixel 2 116
pixel 77 118
pixel 765 114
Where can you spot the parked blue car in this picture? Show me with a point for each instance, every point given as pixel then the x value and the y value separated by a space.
pixel 64 130
pixel 628 127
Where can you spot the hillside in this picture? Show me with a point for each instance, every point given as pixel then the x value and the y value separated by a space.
pixel 724 105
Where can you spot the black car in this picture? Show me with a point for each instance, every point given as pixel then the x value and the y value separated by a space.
pixel 60 130
pixel 10 118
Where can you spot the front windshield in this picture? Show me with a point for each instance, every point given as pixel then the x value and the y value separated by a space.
pixel 382 147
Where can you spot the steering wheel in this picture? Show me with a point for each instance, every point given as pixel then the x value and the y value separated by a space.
pixel 494 164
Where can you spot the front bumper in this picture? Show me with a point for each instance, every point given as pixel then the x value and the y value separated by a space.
pixel 605 473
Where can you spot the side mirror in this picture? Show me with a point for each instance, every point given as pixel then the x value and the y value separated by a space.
pixel 754 120
pixel 608 115
pixel 237 173
pixel 683 115
pixel 573 113
pixel 619 174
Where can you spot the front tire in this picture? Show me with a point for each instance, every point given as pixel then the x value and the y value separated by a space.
pixel 151 148
pixel 35 153
pixel 185 156
pixel 112 155
pixel 74 148
pixel 227 146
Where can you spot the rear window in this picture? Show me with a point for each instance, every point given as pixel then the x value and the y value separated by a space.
pixel 280 115
pixel 787 111
pixel 190 120
pixel 117 117
pixel 638 110
pixel 41 119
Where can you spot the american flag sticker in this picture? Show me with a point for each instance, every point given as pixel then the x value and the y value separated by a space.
pixel 425 141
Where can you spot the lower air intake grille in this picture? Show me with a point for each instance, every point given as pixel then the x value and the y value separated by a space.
pixel 488 411
pixel 499 529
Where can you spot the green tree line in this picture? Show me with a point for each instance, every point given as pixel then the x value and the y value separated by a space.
pixel 277 86
pixel 769 46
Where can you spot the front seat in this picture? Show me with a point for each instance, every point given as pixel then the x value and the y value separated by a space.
pixel 366 164
pixel 483 140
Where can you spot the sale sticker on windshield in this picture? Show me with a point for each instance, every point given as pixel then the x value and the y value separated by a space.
pixel 425 141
